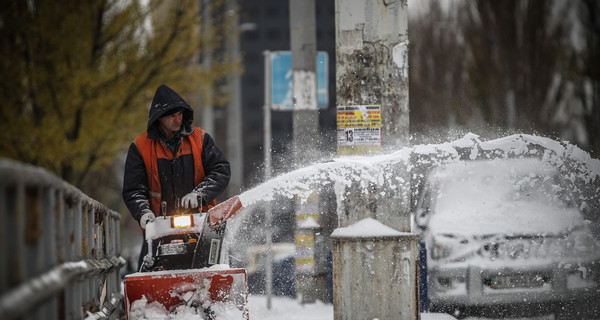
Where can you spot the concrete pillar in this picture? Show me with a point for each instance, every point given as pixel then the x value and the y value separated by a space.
pixel 375 272
pixel 372 70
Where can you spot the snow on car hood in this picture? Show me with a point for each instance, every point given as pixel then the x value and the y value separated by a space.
pixel 510 197
pixel 475 216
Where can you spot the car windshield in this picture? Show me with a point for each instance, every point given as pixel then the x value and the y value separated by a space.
pixel 509 196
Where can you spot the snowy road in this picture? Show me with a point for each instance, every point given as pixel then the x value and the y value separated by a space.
pixel 290 309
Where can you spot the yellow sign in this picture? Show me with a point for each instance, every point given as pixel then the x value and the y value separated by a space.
pixel 304 240
pixel 359 129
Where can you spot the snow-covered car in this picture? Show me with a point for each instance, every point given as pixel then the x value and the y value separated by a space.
pixel 502 234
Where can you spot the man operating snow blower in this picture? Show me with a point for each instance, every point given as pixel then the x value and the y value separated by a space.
pixel 173 163
pixel 173 173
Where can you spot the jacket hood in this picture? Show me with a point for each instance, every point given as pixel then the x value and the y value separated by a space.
pixel 165 100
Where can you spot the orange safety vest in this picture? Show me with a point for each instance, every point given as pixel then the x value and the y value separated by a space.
pixel 151 150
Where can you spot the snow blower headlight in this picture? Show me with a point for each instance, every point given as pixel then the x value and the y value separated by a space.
pixel 183 221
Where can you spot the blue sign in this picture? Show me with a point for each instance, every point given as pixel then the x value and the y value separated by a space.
pixel 281 80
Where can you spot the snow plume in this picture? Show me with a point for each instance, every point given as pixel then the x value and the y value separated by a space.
pixel 581 171
pixel 404 171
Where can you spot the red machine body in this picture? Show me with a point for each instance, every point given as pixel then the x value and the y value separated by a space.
pixel 183 269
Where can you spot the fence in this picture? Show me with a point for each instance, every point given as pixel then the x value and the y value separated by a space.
pixel 59 249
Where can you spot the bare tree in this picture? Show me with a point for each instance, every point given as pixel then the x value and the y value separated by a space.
pixel 506 65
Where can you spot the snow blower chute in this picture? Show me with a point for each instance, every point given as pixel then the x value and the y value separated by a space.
pixel 182 271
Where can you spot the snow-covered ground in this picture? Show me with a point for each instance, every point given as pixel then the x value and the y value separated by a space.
pixel 281 308
pixel 288 308
pixel 291 309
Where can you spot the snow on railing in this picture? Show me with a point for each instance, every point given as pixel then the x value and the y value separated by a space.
pixel 59 249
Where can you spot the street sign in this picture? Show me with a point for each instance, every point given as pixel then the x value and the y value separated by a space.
pixel 281 80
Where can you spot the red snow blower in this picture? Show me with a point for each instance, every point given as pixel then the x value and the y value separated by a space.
pixel 182 269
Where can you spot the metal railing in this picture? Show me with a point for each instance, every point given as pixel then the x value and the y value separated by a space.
pixel 59 249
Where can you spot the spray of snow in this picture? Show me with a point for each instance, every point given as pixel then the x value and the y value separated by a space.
pixel 574 163
pixel 405 171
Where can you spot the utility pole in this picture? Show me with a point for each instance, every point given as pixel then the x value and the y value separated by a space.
pixel 207 121
pixel 372 72
pixel 304 50
pixel 267 176
pixel 234 107
pixel 374 276
pixel 303 37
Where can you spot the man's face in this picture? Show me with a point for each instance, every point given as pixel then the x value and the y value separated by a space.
pixel 171 123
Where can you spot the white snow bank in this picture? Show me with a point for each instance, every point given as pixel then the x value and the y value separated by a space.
pixel 142 310
pixel 308 223
pixel 291 309
pixel 366 228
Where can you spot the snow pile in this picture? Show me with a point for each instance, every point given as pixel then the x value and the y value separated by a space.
pixel 288 309
pixel 282 308
pixel 142 310
pixel 366 228
pixel 291 309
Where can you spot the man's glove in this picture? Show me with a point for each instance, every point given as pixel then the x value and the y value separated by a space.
pixel 190 200
pixel 147 216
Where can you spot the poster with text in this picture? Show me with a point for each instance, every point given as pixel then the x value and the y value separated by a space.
pixel 358 129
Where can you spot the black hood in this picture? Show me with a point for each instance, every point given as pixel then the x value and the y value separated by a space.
pixel 165 100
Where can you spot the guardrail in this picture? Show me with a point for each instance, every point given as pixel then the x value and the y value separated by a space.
pixel 59 249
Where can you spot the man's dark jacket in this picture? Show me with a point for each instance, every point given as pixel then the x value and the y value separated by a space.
pixel 177 175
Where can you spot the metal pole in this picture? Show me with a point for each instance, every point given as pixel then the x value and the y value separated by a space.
pixel 234 108
pixel 303 38
pixel 207 111
pixel 267 175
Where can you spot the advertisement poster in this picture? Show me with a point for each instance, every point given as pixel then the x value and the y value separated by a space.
pixel 358 129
